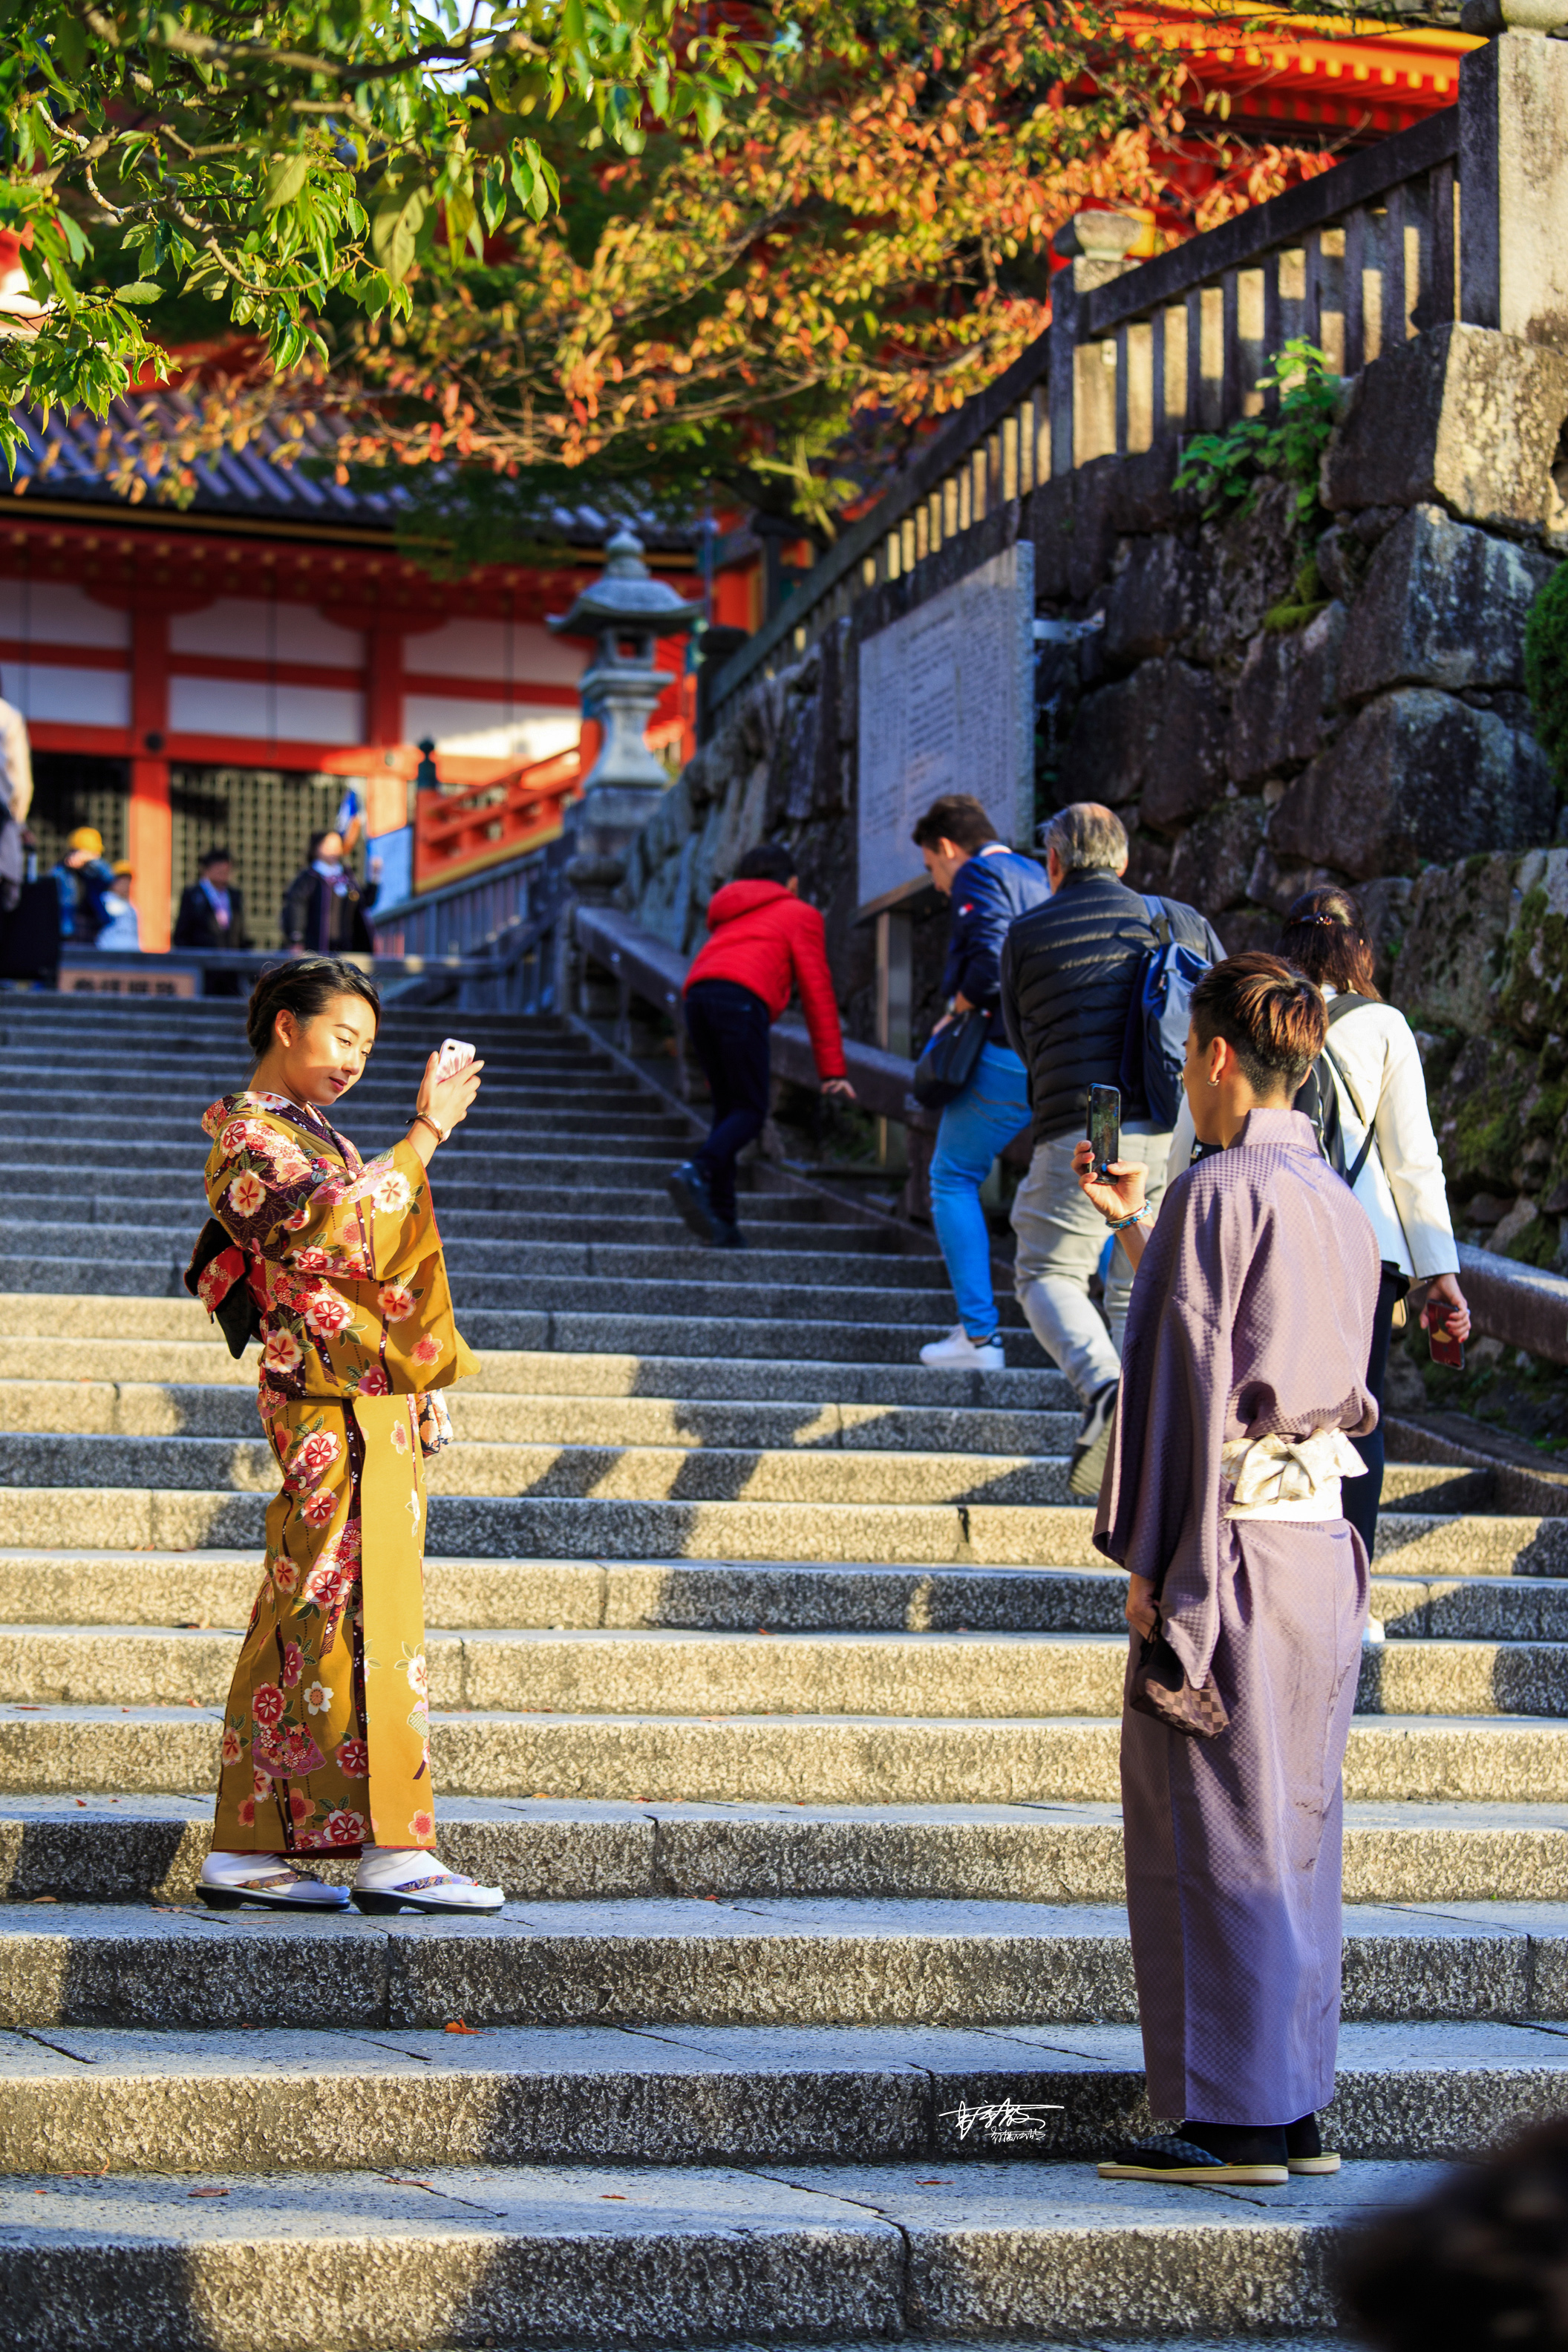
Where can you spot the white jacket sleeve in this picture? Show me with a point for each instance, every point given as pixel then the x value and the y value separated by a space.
pixel 1402 1125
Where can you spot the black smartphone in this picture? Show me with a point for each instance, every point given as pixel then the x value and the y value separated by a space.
pixel 1105 1124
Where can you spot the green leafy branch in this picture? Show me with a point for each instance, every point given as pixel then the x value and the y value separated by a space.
pixel 1228 469
pixel 273 158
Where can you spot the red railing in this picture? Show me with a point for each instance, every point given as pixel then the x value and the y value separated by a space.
pixel 517 809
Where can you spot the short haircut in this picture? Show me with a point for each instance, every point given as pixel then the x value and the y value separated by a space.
pixel 317 839
pixel 1086 837
pixel 213 857
pixel 957 817
pixel 1273 1018
pixel 1323 935
pixel 769 862
pixel 304 986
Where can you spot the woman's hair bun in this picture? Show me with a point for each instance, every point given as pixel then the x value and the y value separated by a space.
pixel 304 986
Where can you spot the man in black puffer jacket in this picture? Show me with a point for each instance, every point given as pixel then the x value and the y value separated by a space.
pixel 1068 971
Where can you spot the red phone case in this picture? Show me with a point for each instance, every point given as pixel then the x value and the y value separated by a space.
pixel 1444 1349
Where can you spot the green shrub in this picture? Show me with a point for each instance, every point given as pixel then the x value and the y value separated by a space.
pixel 1546 670
pixel 1229 468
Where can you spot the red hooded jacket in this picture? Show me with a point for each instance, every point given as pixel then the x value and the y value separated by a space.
pixel 763 938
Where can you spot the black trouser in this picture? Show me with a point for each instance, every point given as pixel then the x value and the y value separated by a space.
pixel 728 1026
pixel 1362 1496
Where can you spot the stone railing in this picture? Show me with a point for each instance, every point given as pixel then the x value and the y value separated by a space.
pixel 1519 1305
pixel 1458 217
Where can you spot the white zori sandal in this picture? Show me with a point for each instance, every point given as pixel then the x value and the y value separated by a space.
pixel 228 1880
pixel 391 1877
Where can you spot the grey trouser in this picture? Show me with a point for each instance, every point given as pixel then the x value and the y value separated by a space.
pixel 1059 1241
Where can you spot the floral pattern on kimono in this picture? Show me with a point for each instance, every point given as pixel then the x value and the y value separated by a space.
pixel 326 1733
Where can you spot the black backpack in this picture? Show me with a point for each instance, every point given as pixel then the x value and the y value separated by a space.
pixel 1319 1099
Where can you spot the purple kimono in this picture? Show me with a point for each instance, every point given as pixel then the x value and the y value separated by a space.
pixel 1251 1317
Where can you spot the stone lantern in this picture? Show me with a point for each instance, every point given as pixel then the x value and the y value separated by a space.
pixel 626 610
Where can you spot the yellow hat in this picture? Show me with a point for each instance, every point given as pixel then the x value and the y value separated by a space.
pixel 87 838
pixel 122 866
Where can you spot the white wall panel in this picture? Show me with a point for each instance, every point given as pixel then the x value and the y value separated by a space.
pixel 520 652
pixel 81 698
pixel 56 613
pixel 255 628
pixel 218 705
pixel 319 714
pixel 285 714
pixel 481 730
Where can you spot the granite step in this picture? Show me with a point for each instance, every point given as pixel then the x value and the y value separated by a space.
pixel 94 2099
pixel 173 1340
pixel 631 1473
pixel 554 1273
pixel 648 1671
pixel 566 1526
pixel 101 1197
pixel 216 1588
pixel 634 1472
pixel 723 1291
pixel 839 1760
pixel 590 2255
pixel 119 1848
pixel 616 1133
pixel 784 1961
pixel 130 1409
pixel 647 1222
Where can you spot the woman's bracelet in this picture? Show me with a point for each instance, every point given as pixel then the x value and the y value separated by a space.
pixel 1119 1224
pixel 423 1119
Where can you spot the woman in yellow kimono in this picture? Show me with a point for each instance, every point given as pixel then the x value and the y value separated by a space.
pixel 326 1733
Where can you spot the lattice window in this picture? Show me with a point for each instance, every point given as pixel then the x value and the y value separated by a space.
pixel 71 788
pixel 264 819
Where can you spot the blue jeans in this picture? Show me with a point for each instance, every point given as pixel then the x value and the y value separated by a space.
pixel 993 1108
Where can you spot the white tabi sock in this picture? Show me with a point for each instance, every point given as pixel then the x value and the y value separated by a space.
pixel 383 1867
pixel 238 1869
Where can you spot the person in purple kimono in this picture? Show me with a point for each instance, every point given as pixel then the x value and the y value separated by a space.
pixel 1243 1379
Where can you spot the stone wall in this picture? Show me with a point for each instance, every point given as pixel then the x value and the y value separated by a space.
pixel 1260 727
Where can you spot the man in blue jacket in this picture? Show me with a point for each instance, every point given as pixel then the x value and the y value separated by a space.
pixel 989 885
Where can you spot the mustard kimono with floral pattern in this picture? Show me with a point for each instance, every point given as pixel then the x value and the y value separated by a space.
pixel 326 1733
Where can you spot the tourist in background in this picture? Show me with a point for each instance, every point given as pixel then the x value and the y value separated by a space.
pixel 1243 1382
pixel 212 911
pixel 325 1743
pixel 82 880
pixel 763 941
pixel 988 884
pixel 1381 1091
pixel 121 933
pixel 324 910
pixel 1069 968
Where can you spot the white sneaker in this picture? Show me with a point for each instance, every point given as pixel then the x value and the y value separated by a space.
pixel 959 1353
pixel 1372 1636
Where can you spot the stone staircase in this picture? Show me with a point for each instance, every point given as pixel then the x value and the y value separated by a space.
pixel 777 1680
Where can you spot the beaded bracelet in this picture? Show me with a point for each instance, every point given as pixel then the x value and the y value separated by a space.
pixel 1119 1224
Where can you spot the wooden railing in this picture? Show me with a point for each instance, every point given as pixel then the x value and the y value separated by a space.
pixel 1356 260
pixel 460 833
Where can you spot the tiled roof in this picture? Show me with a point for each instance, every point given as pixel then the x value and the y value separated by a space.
pixel 75 456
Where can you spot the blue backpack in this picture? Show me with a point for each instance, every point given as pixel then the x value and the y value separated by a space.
pixel 1155 1046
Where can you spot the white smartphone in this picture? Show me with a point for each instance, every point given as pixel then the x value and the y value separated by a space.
pixel 455 1056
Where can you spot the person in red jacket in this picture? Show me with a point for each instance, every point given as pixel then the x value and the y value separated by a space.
pixel 762 941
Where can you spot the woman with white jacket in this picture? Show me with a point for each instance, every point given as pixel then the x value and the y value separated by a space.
pixel 1380 1086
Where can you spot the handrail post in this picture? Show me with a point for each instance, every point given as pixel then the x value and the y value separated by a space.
pixel 1513 187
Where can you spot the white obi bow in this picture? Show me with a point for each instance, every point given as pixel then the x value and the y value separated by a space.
pixel 1295 1477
